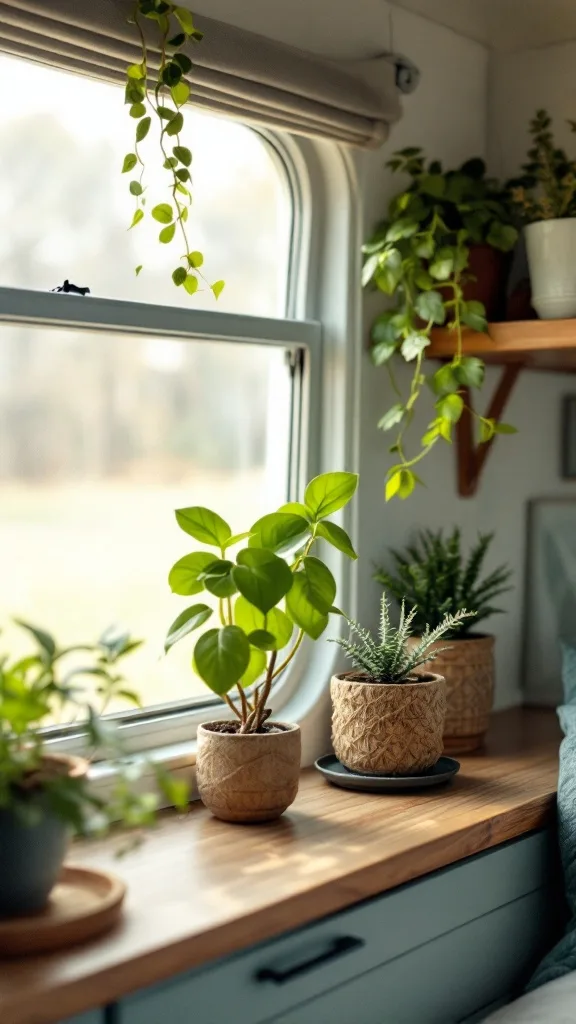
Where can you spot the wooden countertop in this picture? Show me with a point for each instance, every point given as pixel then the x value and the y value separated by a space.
pixel 200 889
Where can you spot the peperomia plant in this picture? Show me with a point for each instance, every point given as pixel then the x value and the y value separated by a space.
pixel 37 691
pixel 160 94
pixel 270 596
pixel 547 187
pixel 419 257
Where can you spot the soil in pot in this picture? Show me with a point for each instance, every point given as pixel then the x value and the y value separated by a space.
pixel 33 844
pixel 248 777
pixel 388 728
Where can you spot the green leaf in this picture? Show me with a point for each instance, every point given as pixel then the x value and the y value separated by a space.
pixel 177 40
pixel 263 639
pixel 393 485
pixel 433 185
pixel 180 93
pixel 183 174
pixel 174 127
pixel 137 110
pixel 474 315
pixel 319 584
pixel 191 284
pixel 45 640
pixel 163 213
pixel 136 188
pixel 186 575
pixel 369 269
pixel 336 536
pixel 256 667
pixel 130 161
pixel 217 288
pixel 329 492
pixel 424 247
pixel 183 61
pixel 217 578
pixel 404 227
pixel 186 623
pixel 389 272
pixel 138 216
pixel 430 306
pixel 487 429
pixel 392 417
pixel 502 236
pixel 236 539
pixel 413 345
pixel 137 71
pixel 142 128
pixel 444 380
pixel 138 269
pixel 134 92
pixel 302 611
pixel 167 233
pixel 450 407
pixel 386 328
pixel 179 276
pixel 505 428
pixel 195 259
pixel 275 621
pixel 407 483
pixel 443 264
pixel 295 508
pixel 170 163
pixel 469 372
pixel 382 352
pixel 171 74
pixel 279 532
pixel 166 113
pixel 261 577
pixel 204 525
pixel 184 17
pixel 183 154
pixel 221 657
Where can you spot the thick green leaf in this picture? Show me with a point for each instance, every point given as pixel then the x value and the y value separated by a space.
pixel 329 492
pixel 401 483
pixel 404 227
pixel 502 236
pixel 474 315
pixel 217 288
pixel 44 639
pixel 217 578
pixel 186 623
pixel 130 161
pixel 389 271
pixel 136 188
pixel 392 417
pixel 505 428
pixel 369 269
pixel 295 508
pixel 138 269
pixel 263 639
pixel 174 127
pixel 319 584
pixel 450 407
pixel 137 110
pixel 221 657
pixel 142 128
pixel 204 525
pixel 382 352
pixel 444 381
pixel 433 185
pixel 185 19
pixel 442 265
pixel 138 216
pixel 180 93
pixel 195 259
pixel 179 276
pixel 163 213
pixel 191 284
pixel 302 612
pixel 170 163
pixel 261 577
pixel 167 233
pixel 185 575
pixel 386 328
pixel 279 532
pixel 275 621
pixel 137 71
pixel 183 154
pixel 469 372
pixel 336 536
pixel 256 667
pixel 430 306
pixel 413 345
pixel 183 60
pixel 236 539
pixel 487 429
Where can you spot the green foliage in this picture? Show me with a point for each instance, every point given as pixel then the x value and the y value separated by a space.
pixel 547 187
pixel 49 684
pixel 388 659
pixel 438 578
pixel 418 257
pixel 273 585
pixel 160 93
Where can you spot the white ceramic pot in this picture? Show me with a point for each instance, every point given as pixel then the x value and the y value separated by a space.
pixel 551 246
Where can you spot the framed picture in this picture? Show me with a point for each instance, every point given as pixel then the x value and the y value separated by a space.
pixel 550 596
pixel 568 457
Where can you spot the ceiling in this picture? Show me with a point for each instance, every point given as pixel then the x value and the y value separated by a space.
pixel 338 28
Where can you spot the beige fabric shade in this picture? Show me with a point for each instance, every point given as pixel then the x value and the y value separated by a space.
pixel 236 73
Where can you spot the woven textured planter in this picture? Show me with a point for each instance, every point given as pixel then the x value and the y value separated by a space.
pixel 248 778
pixel 468 668
pixel 387 728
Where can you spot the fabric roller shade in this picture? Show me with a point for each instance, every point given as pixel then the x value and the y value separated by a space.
pixel 236 73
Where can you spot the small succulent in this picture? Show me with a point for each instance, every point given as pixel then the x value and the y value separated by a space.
pixel 388 658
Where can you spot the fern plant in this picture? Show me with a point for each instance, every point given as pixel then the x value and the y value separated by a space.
pixel 438 578
pixel 388 659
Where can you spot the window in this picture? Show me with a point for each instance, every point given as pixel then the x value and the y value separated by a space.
pixel 114 413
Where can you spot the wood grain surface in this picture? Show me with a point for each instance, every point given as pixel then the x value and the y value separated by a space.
pixel 199 889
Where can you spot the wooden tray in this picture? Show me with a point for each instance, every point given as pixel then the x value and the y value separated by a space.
pixel 83 904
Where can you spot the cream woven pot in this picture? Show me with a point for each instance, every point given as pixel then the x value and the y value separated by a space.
pixel 248 778
pixel 468 668
pixel 387 728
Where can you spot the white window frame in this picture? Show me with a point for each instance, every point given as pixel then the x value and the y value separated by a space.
pixel 324 309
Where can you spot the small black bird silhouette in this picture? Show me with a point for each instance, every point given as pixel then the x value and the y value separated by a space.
pixel 67 287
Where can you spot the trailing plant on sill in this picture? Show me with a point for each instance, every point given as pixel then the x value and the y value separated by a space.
pixel 387 659
pixel 160 96
pixel 419 258
pixel 48 686
pixel 436 577
pixel 274 586
pixel 547 187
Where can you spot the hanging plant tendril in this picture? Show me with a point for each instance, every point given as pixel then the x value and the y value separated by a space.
pixel 162 95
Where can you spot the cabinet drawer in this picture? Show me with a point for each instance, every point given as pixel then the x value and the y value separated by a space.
pixel 270 979
pixel 444 981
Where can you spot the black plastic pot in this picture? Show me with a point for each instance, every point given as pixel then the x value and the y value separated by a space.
pixel 31 857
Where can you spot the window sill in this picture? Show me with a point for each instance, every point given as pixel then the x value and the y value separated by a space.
pixel 200 889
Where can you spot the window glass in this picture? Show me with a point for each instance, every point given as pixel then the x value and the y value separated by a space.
pixel 65 206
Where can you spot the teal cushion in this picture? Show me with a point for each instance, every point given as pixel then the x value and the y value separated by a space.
pixel 562 959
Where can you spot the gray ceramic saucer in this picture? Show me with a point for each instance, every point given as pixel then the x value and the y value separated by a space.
pixel 331 768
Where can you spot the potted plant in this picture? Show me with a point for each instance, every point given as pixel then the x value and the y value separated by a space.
pixel 442 257
pixel 45 797
pixel 545 196
pixel 438 578
pixel 270 595
pixel 388 718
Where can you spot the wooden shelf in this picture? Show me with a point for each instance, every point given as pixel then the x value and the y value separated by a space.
pixel 534 344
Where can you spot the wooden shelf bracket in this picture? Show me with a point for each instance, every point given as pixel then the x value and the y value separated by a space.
pixel 471 457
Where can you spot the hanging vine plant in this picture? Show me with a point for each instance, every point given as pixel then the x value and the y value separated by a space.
pixel 160 95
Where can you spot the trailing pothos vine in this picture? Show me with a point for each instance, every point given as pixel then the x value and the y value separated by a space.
pixel 161 95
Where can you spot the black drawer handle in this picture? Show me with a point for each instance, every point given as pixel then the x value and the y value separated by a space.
pixel 336 948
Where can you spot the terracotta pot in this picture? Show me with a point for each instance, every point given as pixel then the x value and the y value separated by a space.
pixel 468 668
pixel 248 778
pixel 387 728
pixel 491 269
pixel 31 855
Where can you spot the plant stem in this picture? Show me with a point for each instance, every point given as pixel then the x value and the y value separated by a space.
pixel 232 706
pixel 287 660
pixel 263 698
